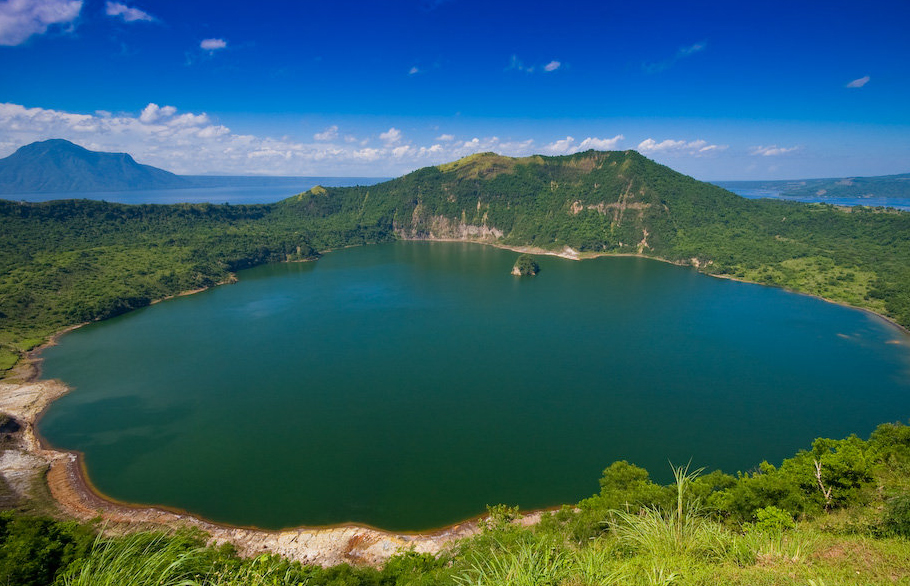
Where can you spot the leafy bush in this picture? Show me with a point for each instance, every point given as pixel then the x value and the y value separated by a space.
pixel 35 550
pixel 897 516
pixel 772 520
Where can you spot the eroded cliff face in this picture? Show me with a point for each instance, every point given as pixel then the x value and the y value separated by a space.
pixel 437 227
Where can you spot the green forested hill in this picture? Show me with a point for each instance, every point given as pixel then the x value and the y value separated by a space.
pixel 621 202
pixel 66 262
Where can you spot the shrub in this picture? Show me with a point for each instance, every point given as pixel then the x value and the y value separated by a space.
pixel 35 550
pixel 897 516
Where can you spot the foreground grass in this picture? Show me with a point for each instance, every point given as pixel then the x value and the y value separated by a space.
pixel 513 556
pixel 676 542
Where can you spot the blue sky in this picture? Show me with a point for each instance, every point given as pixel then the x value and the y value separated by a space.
pixel 719 90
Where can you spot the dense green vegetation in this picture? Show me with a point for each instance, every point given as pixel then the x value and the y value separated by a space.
pixel 65 262
pixel 837 513
pixel 526 266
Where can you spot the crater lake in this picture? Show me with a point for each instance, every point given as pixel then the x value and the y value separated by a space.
pixel 408 385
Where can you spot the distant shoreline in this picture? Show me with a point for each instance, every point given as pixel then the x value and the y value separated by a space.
pixel 571 254
pixel 238 190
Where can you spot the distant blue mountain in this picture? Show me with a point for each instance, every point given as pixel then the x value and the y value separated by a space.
pixel 58 165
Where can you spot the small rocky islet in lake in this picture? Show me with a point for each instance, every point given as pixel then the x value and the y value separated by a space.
pixel 525 266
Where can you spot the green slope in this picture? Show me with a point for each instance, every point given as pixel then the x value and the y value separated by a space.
pixel 66 262
pixel 621 202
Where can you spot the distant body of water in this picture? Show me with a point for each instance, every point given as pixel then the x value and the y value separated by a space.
pixel 408 385
pixel 216 190
pixel 900 203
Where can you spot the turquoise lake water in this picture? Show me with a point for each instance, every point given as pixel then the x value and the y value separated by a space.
pixel 409 385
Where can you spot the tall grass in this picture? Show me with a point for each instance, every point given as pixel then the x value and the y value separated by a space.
pixel 142 559
pixel 527 564
pixel 596 566
pixel 682 530
pixel 155 559
pixel 266 570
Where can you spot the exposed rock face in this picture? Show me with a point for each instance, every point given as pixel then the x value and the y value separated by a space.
pixel 443 228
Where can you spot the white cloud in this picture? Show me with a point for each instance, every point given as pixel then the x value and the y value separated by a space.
pixel 330 133
pixel 679 147
pixel 195 143
pixel 559 147
pixel 213 131
pixel 691 49
pixel 413 71
pixel 681 53
pixel 516 64
pixel 600 144
pixel 20 19
pixel 771 151
pixel 568 145
pixel 391 136
pixel 212 44
pixel 401 151
pixel 367 154
pixel 152 112
pixel 859 82
pixel 128 13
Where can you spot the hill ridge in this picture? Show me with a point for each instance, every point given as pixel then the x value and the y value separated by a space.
pixel 60 166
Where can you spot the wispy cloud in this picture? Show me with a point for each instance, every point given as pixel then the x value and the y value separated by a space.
pixel 859 82
pixel 681 53
pixel 330 133
pixel 212 44
pixel 771 151
pixel 569 145
pixel 127 13
pixel 20 19
pixel 515 64
pixel 552 66
pixel 696 148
